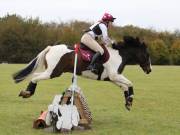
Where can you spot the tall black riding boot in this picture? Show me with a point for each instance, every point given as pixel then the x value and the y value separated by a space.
pixel 93 61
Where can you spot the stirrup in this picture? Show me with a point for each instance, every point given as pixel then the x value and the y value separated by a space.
pixel 95 70
pixel 90 67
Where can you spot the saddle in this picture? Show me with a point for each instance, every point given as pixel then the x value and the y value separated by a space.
pixel 86 53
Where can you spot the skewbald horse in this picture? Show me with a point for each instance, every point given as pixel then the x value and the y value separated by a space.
pixel 55 60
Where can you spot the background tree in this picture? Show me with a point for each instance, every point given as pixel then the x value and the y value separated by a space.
pixel 21 39
pixel 159 52
pixel 175 52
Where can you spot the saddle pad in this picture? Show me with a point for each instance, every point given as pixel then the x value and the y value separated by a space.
pixel 87 54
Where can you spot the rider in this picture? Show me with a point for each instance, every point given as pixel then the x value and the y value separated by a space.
pixel 98 31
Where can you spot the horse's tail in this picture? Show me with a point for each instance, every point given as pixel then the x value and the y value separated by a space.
pixel 35 64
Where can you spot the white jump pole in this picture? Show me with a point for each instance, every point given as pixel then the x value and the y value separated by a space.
pixel 74 85
pixel 74 79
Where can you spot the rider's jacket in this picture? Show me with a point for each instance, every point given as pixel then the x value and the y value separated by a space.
pixel 99 30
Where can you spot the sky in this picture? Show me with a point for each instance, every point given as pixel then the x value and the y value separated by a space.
pixel 161 15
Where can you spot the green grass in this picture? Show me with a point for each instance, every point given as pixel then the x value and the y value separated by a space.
pixel 156 108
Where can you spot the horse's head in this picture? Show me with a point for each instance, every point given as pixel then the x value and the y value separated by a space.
pixel 135 51
pixel 143 58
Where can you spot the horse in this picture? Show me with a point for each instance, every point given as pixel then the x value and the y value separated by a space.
pixel 58 59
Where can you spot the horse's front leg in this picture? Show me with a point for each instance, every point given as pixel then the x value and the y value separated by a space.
pixel 126 86
pixel 129 94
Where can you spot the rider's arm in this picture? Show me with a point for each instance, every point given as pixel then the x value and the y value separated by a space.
pixel 105 38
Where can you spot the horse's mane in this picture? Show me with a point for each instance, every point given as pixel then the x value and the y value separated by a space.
pixel 128 41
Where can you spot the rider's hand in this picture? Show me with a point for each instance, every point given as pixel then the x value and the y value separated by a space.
pixel 113 42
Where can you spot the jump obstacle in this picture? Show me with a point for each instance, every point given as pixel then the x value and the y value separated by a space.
pixel 72 97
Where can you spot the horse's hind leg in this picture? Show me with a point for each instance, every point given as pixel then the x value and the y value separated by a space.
pixel 33 83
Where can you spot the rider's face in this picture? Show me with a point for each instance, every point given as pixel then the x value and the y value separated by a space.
pixel 110 24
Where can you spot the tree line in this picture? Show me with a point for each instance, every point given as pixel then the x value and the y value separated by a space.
pixel 21 39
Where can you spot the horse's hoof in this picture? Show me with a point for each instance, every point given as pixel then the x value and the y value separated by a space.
pixel 25 94
pixel 128 107
pixel 128 104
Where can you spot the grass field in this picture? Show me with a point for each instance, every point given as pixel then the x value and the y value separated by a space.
pixel 156 108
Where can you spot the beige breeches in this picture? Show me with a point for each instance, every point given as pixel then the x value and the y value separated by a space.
pixel 91 43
